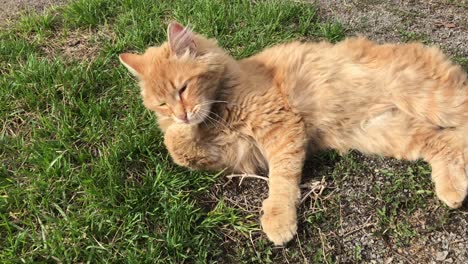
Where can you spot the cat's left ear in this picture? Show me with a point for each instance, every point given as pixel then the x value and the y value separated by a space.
pixel 180 39
pixel 133 62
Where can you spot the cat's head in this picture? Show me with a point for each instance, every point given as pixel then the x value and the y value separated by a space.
pixel 179 79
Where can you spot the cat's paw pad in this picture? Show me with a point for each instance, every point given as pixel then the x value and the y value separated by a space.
pixel 452 198
pixel 279 221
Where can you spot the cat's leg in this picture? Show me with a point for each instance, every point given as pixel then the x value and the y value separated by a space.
pixel 445 150
pixel 284 147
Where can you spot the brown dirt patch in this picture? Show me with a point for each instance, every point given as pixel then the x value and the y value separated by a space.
pixel 10 9
pixel 81 44
pixel 438 22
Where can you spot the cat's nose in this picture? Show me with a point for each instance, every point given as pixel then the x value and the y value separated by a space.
pixel 183 118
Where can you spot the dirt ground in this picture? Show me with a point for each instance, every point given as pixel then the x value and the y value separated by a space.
pixel 9 9
pixel 437 22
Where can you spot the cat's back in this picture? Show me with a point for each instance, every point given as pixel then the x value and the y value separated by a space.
pixel 323 80
pixel 359 74
pixel 357 57
pixel 338 86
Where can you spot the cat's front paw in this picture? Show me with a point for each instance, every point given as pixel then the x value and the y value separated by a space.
pixel 279 220
pixel 179 141
pixel 179 133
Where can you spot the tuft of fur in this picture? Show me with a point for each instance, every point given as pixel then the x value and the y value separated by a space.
pixel 265 112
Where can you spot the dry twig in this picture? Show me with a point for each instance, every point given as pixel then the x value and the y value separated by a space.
pixel 316 188
pixel 243 176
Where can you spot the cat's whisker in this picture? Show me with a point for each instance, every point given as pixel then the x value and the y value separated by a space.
pixel 217 101
pixel 215 122
pixel 205 112
pixel 212 102
pixel 219 117
pixel 226 102
pixel 207 116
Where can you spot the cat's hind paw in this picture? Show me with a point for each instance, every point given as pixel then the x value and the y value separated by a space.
pixel 279 221
pixel 451 197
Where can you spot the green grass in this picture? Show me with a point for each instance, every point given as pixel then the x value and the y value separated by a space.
pixel 462 61
pixel 409 36
pixel 84 176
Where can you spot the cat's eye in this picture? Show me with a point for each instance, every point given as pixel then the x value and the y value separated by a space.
pixel 182 89
pixel 162 104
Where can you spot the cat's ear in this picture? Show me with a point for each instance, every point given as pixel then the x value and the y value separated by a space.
pixel 180 39
pixel 133 62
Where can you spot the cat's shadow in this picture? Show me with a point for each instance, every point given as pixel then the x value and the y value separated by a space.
pixel 464 207
pixel 320 165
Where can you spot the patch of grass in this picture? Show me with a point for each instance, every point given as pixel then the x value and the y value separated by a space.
pixel 402 195
pixel 463 4
pixel 332 31
pixel 91 13
pixel 409 36
pixel 357 252
pixel 37 24
pixel 84 176
pixel 462 61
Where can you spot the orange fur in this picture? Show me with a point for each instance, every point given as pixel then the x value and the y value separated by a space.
pixel 264 112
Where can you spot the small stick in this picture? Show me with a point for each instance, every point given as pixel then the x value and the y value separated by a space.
pixel 324 253
pixel 314 187
pixel 243 176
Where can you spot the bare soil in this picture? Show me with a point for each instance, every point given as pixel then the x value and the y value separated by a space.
pixel 442 23
pixel 10 9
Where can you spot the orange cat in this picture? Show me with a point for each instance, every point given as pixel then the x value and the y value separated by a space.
pixel 265 112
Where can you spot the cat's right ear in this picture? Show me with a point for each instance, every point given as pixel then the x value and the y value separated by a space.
pixel 133 62
pixel 181 39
